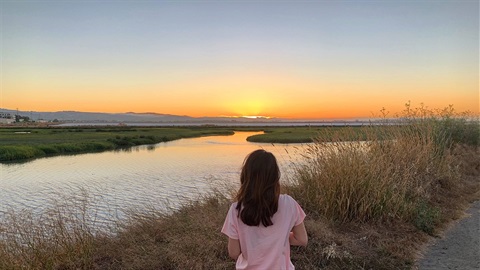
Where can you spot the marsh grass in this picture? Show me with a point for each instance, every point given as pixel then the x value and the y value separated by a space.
pixel 188 239
pixel 40 142
pixel 393 174
pixel 70 233
pixel 370 204
pixel 62 236
pixel 375 179
pixel 307 134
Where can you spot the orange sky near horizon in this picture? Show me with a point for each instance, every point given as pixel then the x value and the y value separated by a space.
pixel 280 96
pixel 322 60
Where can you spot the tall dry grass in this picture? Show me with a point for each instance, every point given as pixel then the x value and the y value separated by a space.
pixel 61 237
pixel 190 238
pixel 68 235
pixel 392 174
pixel 375 179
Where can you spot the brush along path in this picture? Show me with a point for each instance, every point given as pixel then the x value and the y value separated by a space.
pixel 459 248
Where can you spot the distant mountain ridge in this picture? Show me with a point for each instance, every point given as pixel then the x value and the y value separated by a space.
pixel 148 117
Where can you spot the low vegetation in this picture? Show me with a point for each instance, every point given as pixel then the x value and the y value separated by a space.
pixel 373 203
pixel 17 144
pixel 286 135
pixel 370 204
pixel 20 144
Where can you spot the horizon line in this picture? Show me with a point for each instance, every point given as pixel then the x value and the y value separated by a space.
pixel 251 117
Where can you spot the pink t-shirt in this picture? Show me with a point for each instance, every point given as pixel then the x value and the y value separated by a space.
pixel 265 247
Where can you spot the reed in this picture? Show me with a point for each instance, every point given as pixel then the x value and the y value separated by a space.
pixel 67 236
pixel 393 174
pixel 62 237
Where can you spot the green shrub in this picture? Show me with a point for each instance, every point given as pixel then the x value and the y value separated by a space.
pixel 19 152
pixel 426 217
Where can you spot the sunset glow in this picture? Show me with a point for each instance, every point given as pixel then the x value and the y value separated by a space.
pixel 314 60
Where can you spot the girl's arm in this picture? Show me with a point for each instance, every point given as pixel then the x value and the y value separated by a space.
pixel 298 235
pixel 234 248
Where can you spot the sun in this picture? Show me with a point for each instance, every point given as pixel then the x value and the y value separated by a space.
pixel 255 116
pixel 246 107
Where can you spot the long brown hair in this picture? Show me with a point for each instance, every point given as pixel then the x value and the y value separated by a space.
pixel 257 199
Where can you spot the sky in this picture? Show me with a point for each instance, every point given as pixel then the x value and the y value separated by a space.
pixel 286 59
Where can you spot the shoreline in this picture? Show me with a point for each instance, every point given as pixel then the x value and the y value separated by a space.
pixel 20 144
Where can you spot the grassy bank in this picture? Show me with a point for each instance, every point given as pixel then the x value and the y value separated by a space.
pixel 309 134
pixel 26 143
pixel 369 205
pixel 18 144
pixel 286 135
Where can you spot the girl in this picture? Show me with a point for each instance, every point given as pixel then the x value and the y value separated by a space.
pixel 263 223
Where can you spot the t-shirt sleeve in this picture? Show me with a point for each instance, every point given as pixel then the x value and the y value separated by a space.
pixel 299 213
pixel 230 226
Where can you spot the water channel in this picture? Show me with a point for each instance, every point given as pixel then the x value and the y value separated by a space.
pixel 160 176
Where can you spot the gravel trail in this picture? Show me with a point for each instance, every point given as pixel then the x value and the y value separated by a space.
pixel 459 247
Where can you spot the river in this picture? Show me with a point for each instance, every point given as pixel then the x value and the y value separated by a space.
pixel 159 176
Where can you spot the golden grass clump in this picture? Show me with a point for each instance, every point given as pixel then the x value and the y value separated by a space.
pixel 61 237
pixel 190 238
pixel 374 179
pixel 391 174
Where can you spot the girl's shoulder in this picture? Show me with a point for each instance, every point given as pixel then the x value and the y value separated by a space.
pixel 290 205
pixel 285 198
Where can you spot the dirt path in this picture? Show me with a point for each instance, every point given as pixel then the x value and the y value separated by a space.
pixel 459 248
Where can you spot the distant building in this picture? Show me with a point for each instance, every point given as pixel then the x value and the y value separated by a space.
pixel 6 121
pixel 6 115
pixel 6 118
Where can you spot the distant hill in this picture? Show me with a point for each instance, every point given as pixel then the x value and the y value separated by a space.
pixel 74 116
pixel 156 118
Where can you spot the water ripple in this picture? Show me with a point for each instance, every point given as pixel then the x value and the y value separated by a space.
pixel 161 176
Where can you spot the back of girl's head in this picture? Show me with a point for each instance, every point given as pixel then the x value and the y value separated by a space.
pixel 259 190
